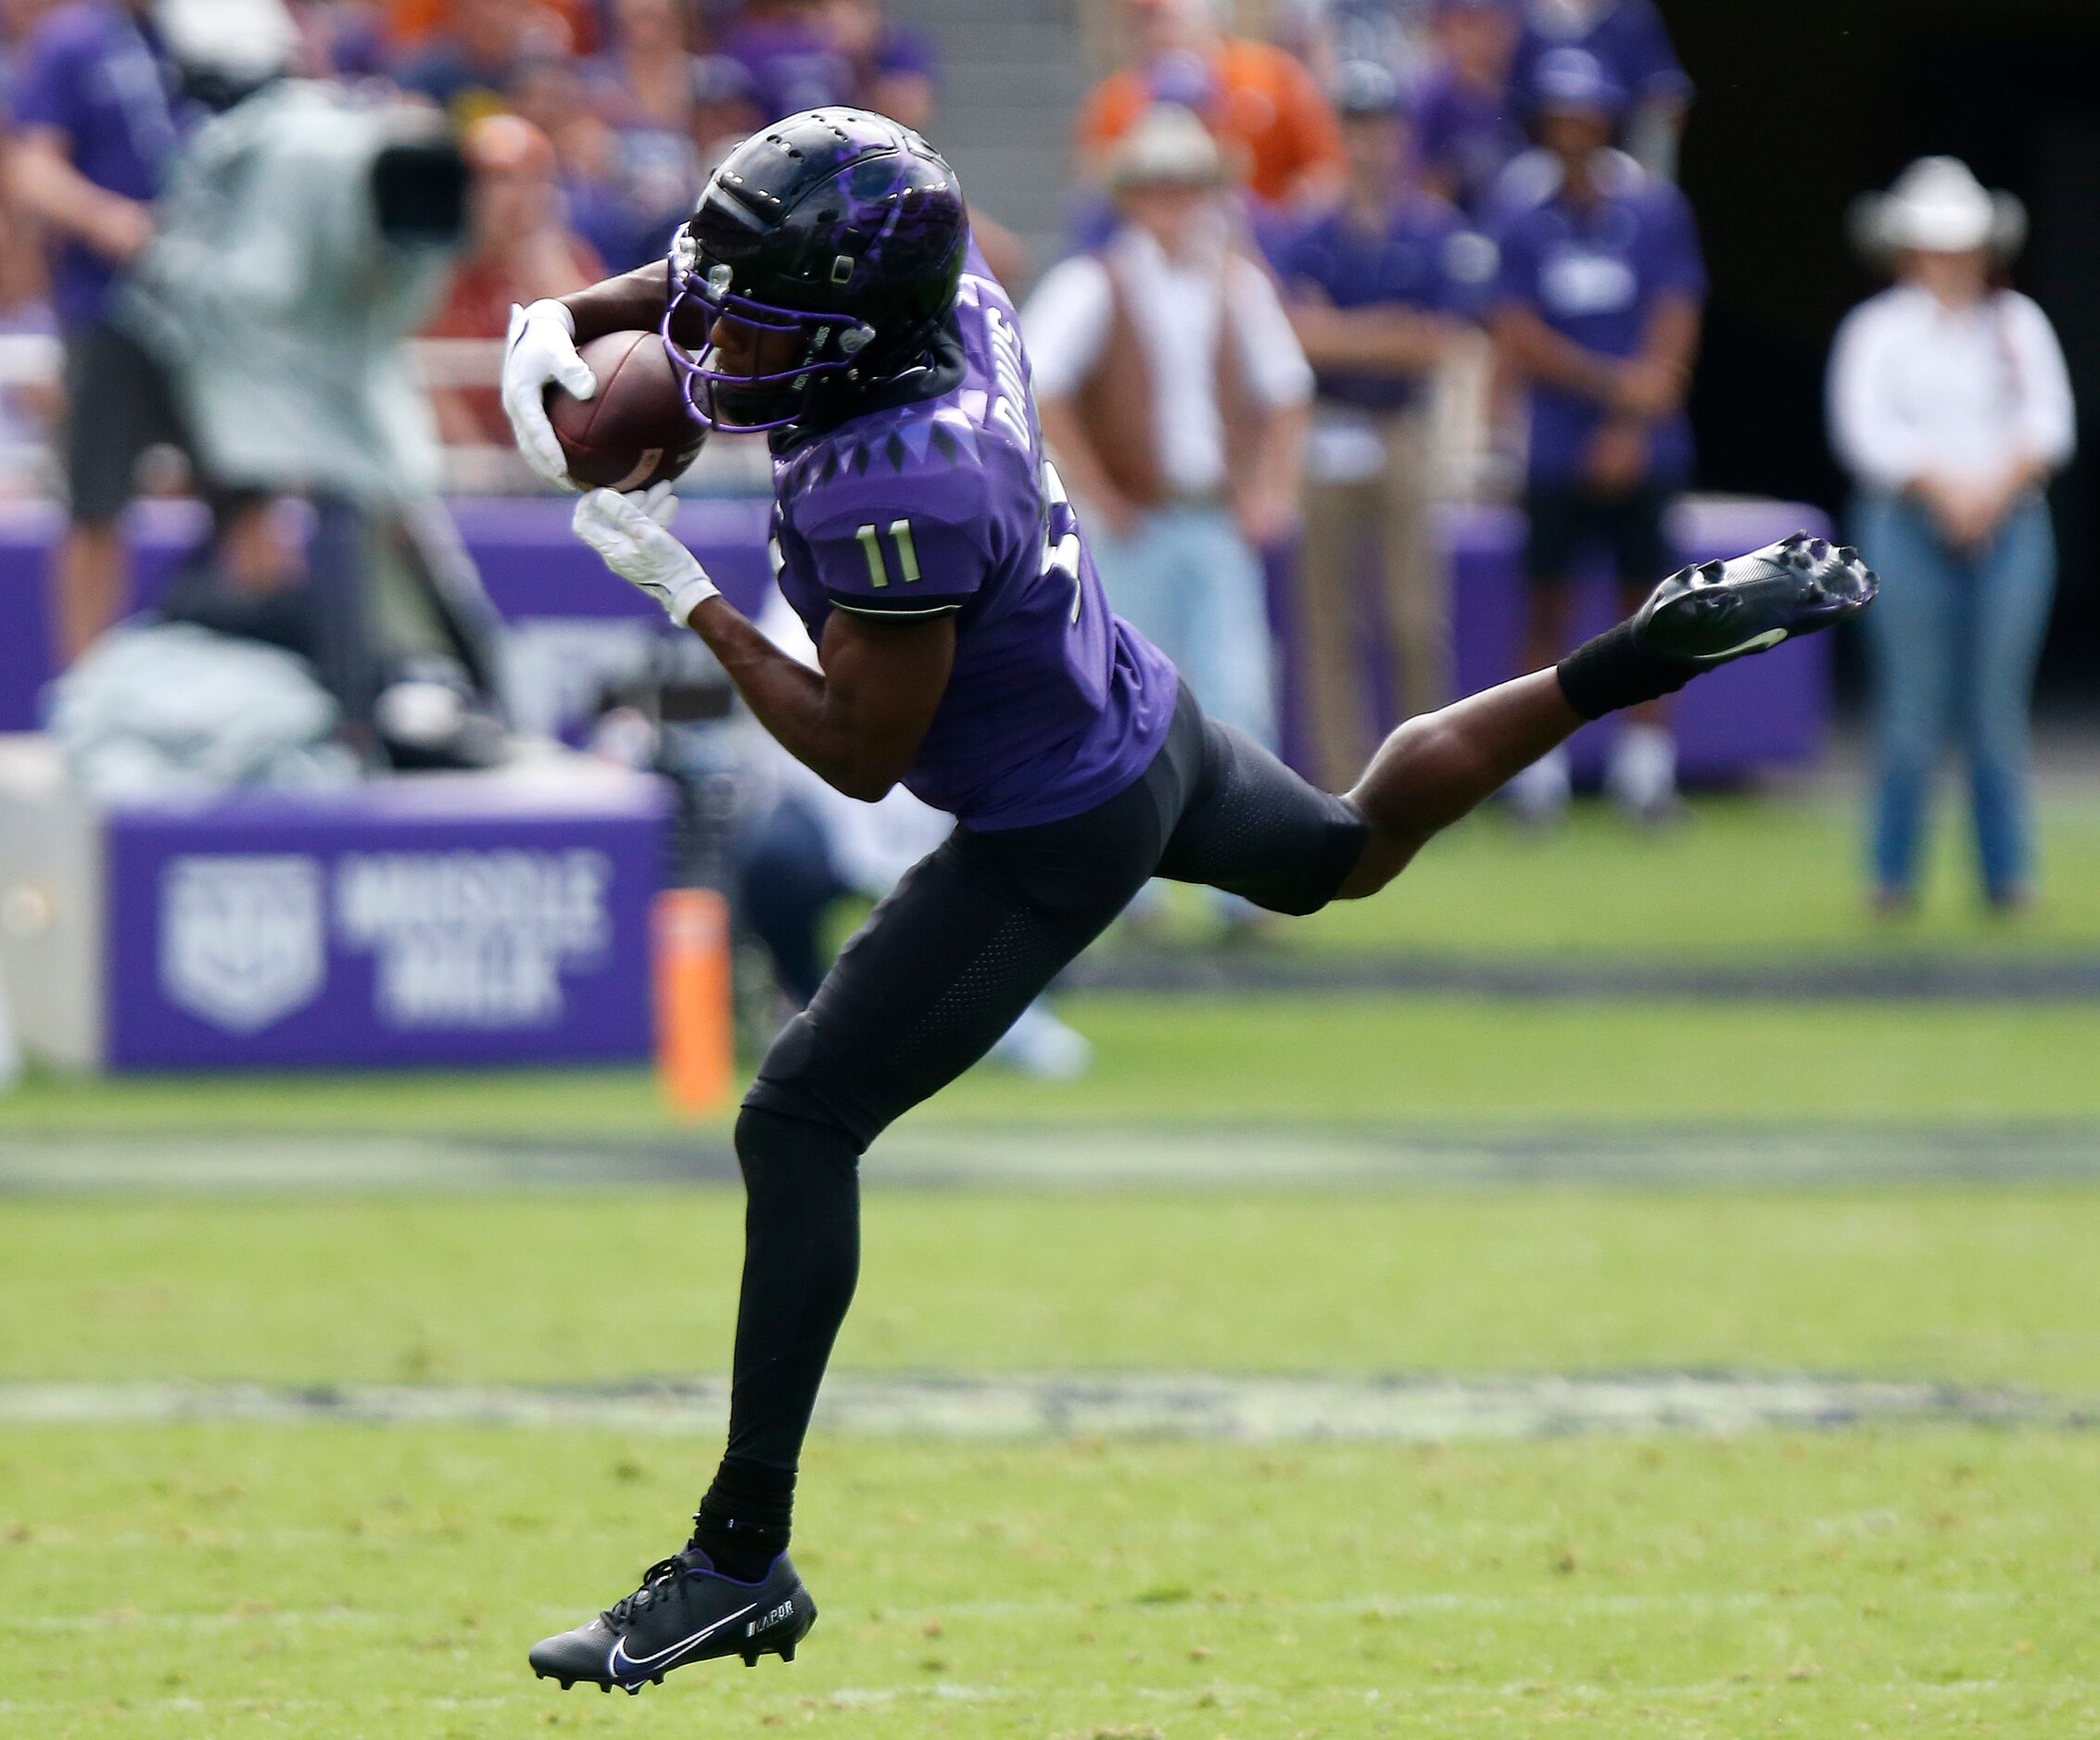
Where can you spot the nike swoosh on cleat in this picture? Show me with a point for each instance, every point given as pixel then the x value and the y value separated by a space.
pixel 646 1664
pixel 1756 643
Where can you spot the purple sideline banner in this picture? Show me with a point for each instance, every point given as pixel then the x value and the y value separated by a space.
pixel 437 921
pixel 1768 712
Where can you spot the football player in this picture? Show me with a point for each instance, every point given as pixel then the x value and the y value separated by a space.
pixel 826 291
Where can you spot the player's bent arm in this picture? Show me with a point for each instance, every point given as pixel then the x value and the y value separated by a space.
pixel 856 722
pixel 632 302
pixel 40 179
pixel 1538 353
pixel 1662 373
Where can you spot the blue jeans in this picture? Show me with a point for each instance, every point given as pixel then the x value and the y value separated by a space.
pixel 1186 580
pixel 1954 636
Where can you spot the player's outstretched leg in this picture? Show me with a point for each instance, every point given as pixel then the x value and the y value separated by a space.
pixel 685 1612
pixel 1438 766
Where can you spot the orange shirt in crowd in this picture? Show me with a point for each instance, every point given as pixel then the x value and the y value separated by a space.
pixel 1268 113
pixel 410 21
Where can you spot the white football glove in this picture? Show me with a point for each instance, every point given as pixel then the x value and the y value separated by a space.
pixel 540 347
pixel 632 533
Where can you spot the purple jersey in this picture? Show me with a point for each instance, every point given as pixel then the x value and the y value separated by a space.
pixel 947 503
pixel 95 74
pixel 1423 260
pixel 1628 38
pixel 1595 275
pixel 1466 137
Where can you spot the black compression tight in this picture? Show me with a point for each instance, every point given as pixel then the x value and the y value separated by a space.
pixel 802 1258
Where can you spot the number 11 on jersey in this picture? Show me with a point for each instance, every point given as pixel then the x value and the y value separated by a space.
pixel 907 555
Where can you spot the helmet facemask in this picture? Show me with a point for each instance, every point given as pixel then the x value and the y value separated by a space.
pixel 772 394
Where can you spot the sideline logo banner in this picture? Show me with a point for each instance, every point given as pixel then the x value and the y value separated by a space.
pixel 252 939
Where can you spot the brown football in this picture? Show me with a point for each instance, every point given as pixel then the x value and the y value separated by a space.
pixel 636 430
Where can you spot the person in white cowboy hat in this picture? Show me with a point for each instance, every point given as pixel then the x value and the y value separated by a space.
pixel 1176 397
pixel 1950 406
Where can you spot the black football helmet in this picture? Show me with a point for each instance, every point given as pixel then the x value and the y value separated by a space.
pixel 840 227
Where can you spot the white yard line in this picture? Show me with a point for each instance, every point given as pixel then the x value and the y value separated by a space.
pixel 1170 1405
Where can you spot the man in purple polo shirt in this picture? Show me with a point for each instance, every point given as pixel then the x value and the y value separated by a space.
pixel 827 285
pixel 1467 127
pixel 1631 42
pixel 1379 284
pixel 95 121
pixel 1597 307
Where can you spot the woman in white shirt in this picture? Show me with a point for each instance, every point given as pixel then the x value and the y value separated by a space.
pixel 1950 405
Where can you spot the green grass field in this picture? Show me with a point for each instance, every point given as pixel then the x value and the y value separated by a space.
pixel 226 1580
pixel 333 1581
pixel 1451 1061
pixel 382 1585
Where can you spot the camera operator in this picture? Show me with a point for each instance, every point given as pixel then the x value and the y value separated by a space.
pixel 304 237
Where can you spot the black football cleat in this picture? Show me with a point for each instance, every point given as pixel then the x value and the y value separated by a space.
pixel 685 1612
pixel 1721 610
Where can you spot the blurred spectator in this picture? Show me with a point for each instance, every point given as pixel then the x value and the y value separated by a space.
pixel 1330 34
pixel 1597 308
pixel 786 50
pixel 518 251
pixel 724 109
pixel 18 19
pixel 341 39
pixel 473 66
pixel 1378 285
pixel 644 77
pixel 1175 399
pixel 1951 407
pixel 896 68
pixel 1467 129
pixel 632 178
pixel 95 123
pixel 1630 41
pixel 1263 107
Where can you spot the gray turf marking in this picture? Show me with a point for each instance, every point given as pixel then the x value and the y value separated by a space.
pixel 1195 1157
pixel 1844 976
pixel 1181 1405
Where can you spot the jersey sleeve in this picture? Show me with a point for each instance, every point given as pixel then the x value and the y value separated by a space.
pixel 886 542
pixel 48 85
pixel 1653 71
